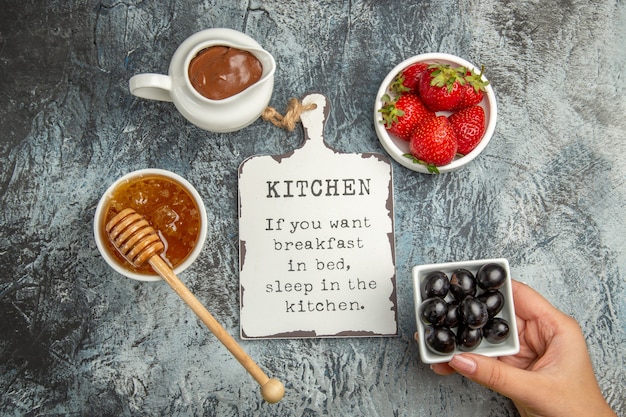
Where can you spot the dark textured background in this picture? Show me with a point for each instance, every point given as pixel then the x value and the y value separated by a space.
pixel 548 194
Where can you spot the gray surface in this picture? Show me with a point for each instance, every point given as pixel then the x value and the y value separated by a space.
pixel 548 194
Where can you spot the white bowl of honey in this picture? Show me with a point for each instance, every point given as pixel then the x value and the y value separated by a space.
pixel 170 204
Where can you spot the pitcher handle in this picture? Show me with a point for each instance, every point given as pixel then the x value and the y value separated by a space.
pixel 151 86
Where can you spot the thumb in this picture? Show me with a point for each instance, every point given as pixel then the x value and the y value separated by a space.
pixel 496 375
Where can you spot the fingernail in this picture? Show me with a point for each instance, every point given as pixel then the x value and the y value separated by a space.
pixel 463 364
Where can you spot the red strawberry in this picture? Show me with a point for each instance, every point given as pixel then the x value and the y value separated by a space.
pixel 469 126
pixel 408 79
pixel 433 143
pixel 473 90
pixel 402 115
pixel 441 87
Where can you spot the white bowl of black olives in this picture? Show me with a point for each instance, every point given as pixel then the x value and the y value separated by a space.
pixel 464 307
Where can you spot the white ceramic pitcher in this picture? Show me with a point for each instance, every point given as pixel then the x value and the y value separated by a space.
pixel 226 115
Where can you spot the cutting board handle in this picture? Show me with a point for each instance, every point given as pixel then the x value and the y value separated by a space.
pixel 314 121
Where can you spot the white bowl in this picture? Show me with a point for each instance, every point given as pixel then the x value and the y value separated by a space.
pixel 101 237
pixel 509 347
pixel 397 147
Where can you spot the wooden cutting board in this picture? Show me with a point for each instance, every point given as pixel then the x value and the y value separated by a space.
pixel 316 239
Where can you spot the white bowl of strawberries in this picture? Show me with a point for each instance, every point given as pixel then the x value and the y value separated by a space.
pixel 435 112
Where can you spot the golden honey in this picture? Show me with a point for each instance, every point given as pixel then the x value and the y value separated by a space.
pixel 167 206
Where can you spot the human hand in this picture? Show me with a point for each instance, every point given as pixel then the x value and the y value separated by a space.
pixel 551 376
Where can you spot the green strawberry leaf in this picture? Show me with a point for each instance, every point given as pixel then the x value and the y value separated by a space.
pixel 445 76
pixel 476 80
pixel 430 167
pixel 389 111
pixel 397 86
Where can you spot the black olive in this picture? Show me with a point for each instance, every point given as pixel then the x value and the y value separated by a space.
pixel 433 311
pixel 436 284
pixel 462 284
pixel 473 312
pixel 468 339
pixel 494 300
pixel 439 339
pixel 491 276
pixel 452 318
pixel 496 330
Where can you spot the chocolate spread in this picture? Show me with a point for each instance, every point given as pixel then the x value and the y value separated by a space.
pixel 219 72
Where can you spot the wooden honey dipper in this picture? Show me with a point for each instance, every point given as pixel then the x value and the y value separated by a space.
pixel 138 242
